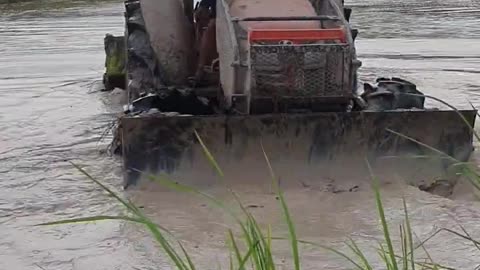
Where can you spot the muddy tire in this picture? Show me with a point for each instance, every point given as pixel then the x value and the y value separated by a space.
pixel 171 36
pixel 158 58
pixel 143 72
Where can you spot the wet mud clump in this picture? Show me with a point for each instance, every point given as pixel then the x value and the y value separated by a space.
pixel 169 102
pixel 115 73
pixel 144 73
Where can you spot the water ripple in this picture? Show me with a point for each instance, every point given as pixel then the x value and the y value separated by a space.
pixel 52 58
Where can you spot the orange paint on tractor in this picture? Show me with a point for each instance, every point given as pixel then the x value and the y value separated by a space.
pixel 297 36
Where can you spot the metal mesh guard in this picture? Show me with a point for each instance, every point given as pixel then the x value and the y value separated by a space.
pixel 299 70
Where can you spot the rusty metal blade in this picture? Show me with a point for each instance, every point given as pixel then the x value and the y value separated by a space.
pixel 305 150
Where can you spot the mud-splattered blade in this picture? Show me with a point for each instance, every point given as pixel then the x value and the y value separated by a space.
pixel 304 149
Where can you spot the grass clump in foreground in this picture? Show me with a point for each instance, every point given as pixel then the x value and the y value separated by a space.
pixel 257 252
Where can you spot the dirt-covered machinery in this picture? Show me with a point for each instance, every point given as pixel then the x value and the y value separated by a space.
pixel 284 85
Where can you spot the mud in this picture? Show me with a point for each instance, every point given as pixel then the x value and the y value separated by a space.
pixel 170 35
pixel 51 110
pixel 144 75
pixel 320 216
pixel 299 148
pixel 115 70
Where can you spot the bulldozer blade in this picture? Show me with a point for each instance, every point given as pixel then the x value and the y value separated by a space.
pixel 304 150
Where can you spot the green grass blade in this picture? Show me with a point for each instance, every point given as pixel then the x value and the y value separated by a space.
pixel 469 236
pixel 429 265
pixel 219 171
pixel 432 263
pixel 245 259
pixel 270 169
pixel 475 242
pixel 184 188
pixel 251 243
pixel 354 247
pixel 265 249
pixel 269 247
pixel 473 177
pixel 105 188
pixel 234 247
pixel 473 107
pixel 153 228
pixel 209 155
pixel 211 159
pixel 403 240
pixel 39 266
pixel 187 189
pixel 252 246
pixel 474 181
pixel 247 232
pixel 286 213
pixel 258 252
pixel 422 144
pixel 384 256
pixel 385 229
pixel 89 219
pixel 466 237
pixel 409 235
pixel 381 212
pixel 99 218
pixel 332 250
pixel 172 254
pixel 189 259
pixel 453 108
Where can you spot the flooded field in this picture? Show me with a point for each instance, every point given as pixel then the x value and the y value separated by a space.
pixel 51 111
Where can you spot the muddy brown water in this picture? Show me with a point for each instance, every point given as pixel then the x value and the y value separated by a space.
pixel 51 55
